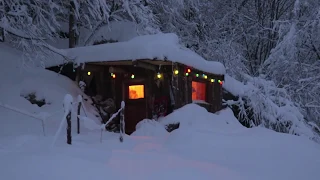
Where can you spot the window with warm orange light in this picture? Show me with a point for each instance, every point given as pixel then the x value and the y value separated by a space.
pixel 136 92
pixel 198 91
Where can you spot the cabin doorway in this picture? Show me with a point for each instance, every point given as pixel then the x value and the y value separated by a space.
pixel 136 103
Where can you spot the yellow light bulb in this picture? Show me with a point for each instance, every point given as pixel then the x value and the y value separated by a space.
pixel 89 73
pixel 176 72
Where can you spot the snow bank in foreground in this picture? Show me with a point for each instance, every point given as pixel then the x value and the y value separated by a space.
pixel 222 140
pixel 149 127
pixel 196 117
pixel 207 146
pixel 261 150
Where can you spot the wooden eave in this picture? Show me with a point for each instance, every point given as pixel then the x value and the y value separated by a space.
pixel 151 62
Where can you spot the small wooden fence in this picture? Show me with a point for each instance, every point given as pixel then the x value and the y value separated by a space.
pixel 68 108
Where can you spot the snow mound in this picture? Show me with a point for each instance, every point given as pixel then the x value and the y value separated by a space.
pixel 89 123
pixel 193 116
pixel 35 91
pixel 220 139
pixel 148 127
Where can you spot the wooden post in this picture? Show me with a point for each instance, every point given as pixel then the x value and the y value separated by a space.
pixel 122 122
pixel 188 86
pixel 43 126
pixel 78 119
pixel 219 106
pixel 217 95
pixel 114 90
pixel 67 105
pixel 175 85
pixel 78 71
pixel 69 138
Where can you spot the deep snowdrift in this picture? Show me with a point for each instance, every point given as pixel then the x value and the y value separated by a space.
pixel 19 81
pixel 205 149
pixel 219 138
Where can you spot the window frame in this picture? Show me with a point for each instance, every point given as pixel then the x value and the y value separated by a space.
pixel 135 99
pixel 205 82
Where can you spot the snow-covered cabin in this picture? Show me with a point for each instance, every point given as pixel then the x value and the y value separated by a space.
pixel 152 74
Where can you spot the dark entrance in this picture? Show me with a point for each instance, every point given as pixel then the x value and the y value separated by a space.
pixel 136 103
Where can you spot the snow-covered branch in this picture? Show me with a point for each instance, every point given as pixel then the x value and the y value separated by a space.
pixel 261 103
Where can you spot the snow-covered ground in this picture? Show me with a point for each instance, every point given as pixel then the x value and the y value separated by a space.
pixel 206 146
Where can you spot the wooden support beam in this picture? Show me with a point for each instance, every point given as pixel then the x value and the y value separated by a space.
pixel 145 65
pixel 176 86
pixel 117 70
pixel 92 67
pixel 188 90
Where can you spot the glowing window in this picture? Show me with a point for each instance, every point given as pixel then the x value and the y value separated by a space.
pixel 136 92
pixel 198 91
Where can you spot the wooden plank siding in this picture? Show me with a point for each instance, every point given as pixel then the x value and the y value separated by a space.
pixel 180 84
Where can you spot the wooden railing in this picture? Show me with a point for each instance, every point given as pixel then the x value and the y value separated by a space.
pixel 42 116
pixel 122 122
pixel 67 108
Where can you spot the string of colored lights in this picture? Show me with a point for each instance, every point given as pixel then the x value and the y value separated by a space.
pixel 188 72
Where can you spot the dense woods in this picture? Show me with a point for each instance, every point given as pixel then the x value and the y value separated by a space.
pixel 272 46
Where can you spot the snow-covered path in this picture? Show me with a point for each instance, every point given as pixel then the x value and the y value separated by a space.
pixel 137 158
pixel 142 157
pixel 206 146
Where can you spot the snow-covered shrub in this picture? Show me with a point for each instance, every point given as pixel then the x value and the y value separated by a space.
pixel 261 103
pixel 172 127
pixel 294 62
pixel 34 99
pixel 148 127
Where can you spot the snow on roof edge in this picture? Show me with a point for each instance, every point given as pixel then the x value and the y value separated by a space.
pixel 158 46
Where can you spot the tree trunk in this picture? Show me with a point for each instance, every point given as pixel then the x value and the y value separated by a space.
pixel 6 10
pixel 72 26
pixel 1 35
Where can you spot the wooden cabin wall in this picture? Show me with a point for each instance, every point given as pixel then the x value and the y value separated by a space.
pixel 117 90
pixel 98 80
pixel 106 84
pixel 210 95
pixel 178 86
pixel 188 89
pixel 217 95
pixel 183 95
pixel 148 93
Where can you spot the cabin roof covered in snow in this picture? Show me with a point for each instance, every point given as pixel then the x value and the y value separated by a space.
pixel 158 46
